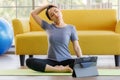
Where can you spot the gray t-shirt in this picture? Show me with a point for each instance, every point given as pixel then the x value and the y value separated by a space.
pixel 58 39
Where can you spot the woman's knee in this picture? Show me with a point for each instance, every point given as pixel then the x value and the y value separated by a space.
pixel 35 64
pixel 29 62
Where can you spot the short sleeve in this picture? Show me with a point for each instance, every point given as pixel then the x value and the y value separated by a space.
pixel 45 25
pixel 74 35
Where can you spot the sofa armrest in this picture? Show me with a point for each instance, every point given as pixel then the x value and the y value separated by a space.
pixel 117 28
pixel 20 26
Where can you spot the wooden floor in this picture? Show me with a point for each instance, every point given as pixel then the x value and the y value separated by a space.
pixel 11 61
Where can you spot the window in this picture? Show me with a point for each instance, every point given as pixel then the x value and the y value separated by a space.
pixel 10 9
pixel 82 4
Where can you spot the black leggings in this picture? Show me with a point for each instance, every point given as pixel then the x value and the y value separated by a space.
pixel 40 64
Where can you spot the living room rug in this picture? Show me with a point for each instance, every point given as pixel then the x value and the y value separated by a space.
pixel 28 72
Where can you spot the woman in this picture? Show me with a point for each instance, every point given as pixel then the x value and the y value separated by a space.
pixel 59 35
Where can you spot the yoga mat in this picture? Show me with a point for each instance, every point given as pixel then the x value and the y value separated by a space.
pixel 29 72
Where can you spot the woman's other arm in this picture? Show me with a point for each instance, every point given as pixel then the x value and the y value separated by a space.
pixel 77 48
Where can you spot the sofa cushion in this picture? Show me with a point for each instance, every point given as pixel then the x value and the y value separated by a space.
pixel 104 19
pixel 99 42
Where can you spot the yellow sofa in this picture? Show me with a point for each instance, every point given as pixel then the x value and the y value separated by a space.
pixel 98 32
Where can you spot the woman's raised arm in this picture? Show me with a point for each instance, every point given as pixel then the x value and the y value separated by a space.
pixel 35 13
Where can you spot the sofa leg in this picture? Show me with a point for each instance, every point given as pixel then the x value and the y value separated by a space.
pixel 22 60
pixel 117 60
pixel 30 56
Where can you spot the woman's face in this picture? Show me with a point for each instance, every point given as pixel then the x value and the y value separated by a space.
pixel 54 14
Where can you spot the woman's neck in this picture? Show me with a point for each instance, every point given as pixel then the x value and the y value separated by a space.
pixel 60 23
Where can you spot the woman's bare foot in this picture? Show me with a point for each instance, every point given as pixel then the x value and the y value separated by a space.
pixel 58 68
pixel 68 68
pixel 63 68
